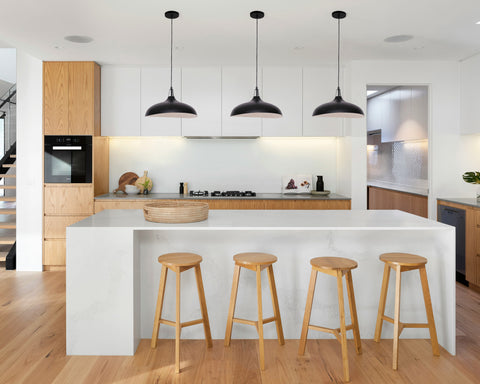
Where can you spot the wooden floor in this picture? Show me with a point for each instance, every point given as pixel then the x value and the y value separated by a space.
pixel 32 349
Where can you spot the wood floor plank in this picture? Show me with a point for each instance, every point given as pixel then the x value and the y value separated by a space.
pixel 32 350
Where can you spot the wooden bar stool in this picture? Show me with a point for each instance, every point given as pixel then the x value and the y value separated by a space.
pixel 402 262
pixel 178 263
pixel 334 266
pixel 255 262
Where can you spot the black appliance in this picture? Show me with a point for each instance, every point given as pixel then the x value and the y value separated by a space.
pixel 456 218
pixel 68 159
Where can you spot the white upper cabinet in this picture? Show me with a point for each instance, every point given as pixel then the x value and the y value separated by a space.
pixel 155 85
pixel 238 85
pixel 470 95
pixel 374 114
pixel 319 86
pixel 420 111
pixel 202 88
pixel 283 88
pixel 120 101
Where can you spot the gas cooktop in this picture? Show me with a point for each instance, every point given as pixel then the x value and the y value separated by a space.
pixel 223 194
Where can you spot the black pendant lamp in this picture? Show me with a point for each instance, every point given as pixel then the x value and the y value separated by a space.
pixel 256 107
pixel 338 107
pixel 171 107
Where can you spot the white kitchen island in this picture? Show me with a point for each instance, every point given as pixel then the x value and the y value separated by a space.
pixel 112 273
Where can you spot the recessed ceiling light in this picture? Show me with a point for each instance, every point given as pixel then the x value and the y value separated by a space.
pixel 478 22
pixel 79 39
pixel 398 38
pixel 371 92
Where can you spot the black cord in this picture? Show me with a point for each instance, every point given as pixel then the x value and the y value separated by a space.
pixel 338 58
pixel 256 59
pixel 171 57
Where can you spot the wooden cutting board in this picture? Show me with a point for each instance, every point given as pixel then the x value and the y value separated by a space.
pixel 128 178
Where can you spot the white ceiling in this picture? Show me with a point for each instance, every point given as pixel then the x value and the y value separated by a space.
pixel 212 32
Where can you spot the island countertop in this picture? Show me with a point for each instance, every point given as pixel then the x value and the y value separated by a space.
pixel 267 220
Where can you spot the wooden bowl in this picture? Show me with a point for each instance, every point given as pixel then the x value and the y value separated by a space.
pixel 175 212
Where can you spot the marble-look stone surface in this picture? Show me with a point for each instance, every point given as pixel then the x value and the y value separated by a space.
pixel 113 274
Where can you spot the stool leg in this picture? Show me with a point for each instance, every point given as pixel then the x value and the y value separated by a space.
pixel 308 311
pixel 381 305
pixel 353 312
pixel 396 319
pixel 233 301
pixel 428 308
pixel 178 325
pixel 158 310
pixel 343 330
pixel 276 308
pixel 203 306
pixel 261 346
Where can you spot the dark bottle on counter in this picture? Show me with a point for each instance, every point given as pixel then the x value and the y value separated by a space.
pixel 320 185
pixel 181 190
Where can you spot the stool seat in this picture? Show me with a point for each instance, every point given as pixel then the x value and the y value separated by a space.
pixel 334 263
pixel 403 259
pixel 252 259
pixel 180 259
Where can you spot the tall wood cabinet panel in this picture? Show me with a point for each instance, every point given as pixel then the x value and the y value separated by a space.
pixel 283 87
pixel 380 198
pixel 120 101
pixel 238 86
pixel 55 98
pixel 71 98
pixel 154 88
pixel 319 86
pixel 202 88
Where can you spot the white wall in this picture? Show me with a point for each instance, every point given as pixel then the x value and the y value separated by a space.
pixel 29 163
pixel 444 139
pixel 7 65
pixel 222 164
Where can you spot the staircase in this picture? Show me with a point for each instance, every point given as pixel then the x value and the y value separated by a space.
pixel 8 209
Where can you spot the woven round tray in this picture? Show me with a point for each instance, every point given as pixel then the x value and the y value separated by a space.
pixel 175 212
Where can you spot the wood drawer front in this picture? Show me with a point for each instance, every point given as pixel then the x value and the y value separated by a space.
pixel 68 200
pixel 101 205
pixel 54 252
pixel 233 204
pixel 307 204
pixel 379 198
pixel 55 226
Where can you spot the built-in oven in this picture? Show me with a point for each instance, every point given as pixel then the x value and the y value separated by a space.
pixel 68 159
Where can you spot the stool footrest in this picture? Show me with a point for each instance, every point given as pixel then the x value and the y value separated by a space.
pixel 182 325
pixel 401 325
pixel 252 322
pixel 333 331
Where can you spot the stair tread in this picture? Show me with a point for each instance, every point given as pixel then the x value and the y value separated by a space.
pixel 13 156
pixel 9 165
pixel 10 175
pixel 8 186
pixel 8 198
pixel 8 211
pixel 7 239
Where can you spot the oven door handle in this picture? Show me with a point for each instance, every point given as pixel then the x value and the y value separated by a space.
pixel 66 148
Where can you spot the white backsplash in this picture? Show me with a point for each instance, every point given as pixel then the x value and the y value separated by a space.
pixel 223 164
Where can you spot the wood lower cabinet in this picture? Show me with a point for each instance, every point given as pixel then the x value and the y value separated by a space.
pixel 64 205
pixel 102 204
pixel 380 198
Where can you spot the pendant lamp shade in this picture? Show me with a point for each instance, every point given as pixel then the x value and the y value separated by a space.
pixel 171 107
pixel 338 107
pixel 256 107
